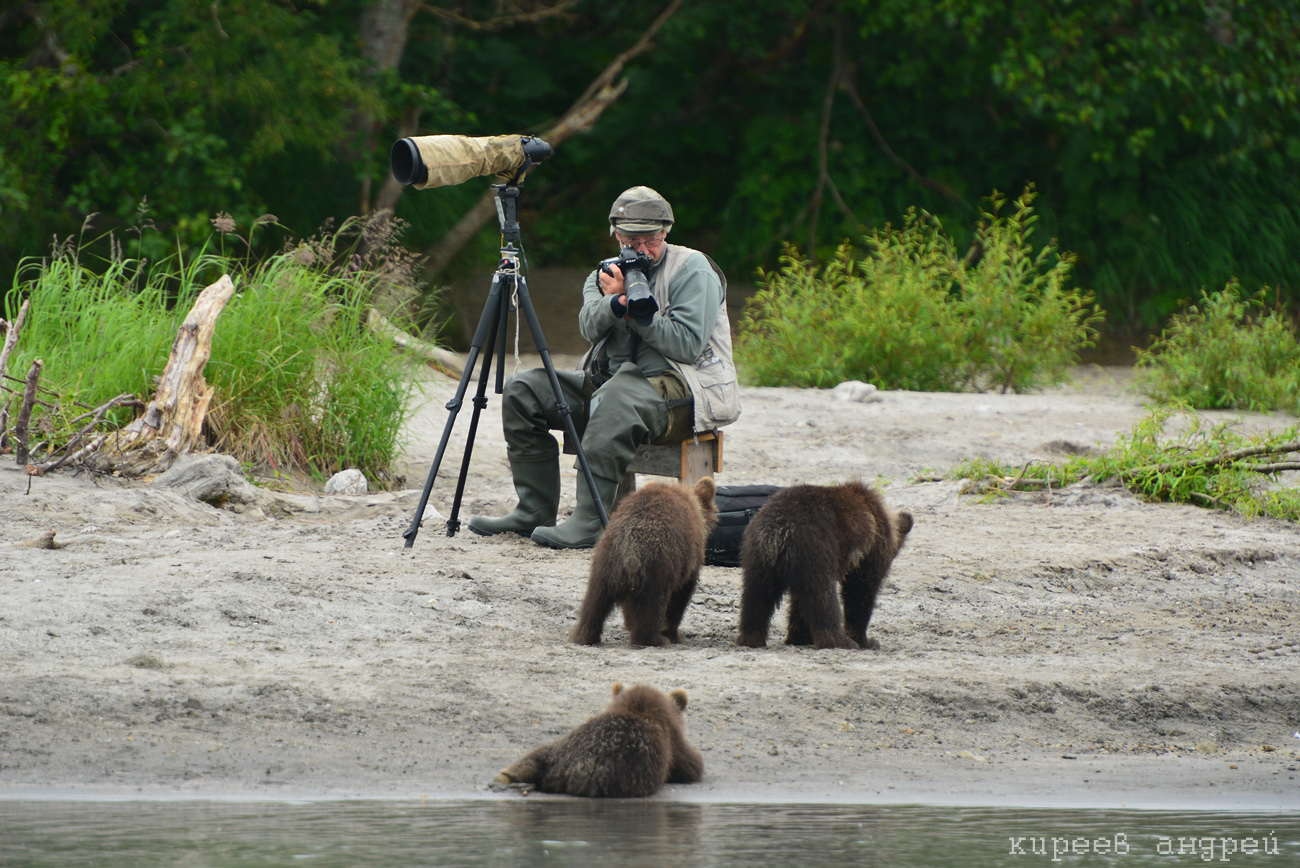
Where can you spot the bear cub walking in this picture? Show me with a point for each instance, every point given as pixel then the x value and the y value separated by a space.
pixel 816 543
pixel 648 562
pixel 631 749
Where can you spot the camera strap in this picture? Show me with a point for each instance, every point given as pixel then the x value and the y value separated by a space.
pixel 596 362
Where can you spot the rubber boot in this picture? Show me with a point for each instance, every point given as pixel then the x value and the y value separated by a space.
pixel 538 485
pixel 582 529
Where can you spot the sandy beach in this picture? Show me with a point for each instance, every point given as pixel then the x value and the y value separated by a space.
pixel 1077 647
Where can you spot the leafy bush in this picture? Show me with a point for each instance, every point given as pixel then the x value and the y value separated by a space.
pixel 911 314
pixel 1206 464
pixel 1228 352
pixel 300 382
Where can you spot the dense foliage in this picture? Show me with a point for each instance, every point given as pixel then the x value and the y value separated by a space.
pixel 1163 135
pixel 914 313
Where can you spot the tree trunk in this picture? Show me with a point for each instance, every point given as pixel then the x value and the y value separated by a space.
pixel 173 422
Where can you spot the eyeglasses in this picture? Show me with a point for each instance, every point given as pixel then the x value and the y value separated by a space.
pixel 640 242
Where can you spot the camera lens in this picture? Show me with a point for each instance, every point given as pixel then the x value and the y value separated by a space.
pixel 641 305
pixel 405 160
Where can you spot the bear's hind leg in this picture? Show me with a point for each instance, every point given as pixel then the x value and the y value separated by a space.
pixel 643 615
pixel 677 604
pixel 760 593
pixel 821 610
pixel 861 587
pixel 597 603
pixel 797 631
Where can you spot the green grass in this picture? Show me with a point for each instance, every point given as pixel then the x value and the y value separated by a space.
pixel 300 383
pixel 1203 463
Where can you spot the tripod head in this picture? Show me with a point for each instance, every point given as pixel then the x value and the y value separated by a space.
pixel 508 212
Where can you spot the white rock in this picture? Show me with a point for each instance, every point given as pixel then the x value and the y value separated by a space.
pixel 351 481
pixel 857 391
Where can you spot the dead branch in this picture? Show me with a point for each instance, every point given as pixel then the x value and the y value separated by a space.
pixel 1279 467
pixel 11 336
pixel 80 455
pixel 25 412
pixel 581 117
pixel 499 22
pixel 1214 460
pixel 1021 483
pixel 944 190
pixel 68 457
pixel 444 360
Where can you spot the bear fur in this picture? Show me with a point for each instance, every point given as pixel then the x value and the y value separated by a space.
pixel 818 543
pixel 648 562
pixel 632 748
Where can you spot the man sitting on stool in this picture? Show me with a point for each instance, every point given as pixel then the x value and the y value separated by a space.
pixel 646 379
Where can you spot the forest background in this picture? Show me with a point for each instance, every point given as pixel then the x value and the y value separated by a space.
pixel 1162 136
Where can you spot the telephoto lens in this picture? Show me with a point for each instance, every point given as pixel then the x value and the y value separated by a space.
pixel 641 305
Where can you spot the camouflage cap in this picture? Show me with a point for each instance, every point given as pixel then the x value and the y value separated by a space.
pixel 640 210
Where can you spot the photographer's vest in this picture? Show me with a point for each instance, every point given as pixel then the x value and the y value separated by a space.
pixel 712 376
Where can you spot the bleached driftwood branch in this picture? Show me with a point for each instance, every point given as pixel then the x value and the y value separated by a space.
pixel 172 424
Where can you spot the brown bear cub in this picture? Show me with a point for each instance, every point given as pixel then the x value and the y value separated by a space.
pixel 631 749
pixel 814 541
pixel 648 562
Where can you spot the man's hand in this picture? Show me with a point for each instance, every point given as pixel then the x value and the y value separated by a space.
pixel 611 280
pixel 611 283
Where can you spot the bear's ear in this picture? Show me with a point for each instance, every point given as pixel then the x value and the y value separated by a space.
pixel 679 698
pixel 706 489
pixel 618 687
pixel 904 523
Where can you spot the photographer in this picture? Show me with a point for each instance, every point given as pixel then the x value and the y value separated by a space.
pixel 655 373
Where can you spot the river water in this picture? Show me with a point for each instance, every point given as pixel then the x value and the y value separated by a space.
pixel 574 832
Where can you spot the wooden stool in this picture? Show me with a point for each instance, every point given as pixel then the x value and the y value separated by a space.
pixel 688 462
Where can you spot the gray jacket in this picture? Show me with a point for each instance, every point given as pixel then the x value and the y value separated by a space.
pixel 690 334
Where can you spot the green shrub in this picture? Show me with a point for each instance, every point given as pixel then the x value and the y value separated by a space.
pixel 1228 352
pixel 300 383
pixel 911 314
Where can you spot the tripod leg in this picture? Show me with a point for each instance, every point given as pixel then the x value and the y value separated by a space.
pixel 487 322
pixel 497 327
pixel 539 341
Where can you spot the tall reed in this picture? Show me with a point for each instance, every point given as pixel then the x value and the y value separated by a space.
pixel 301 384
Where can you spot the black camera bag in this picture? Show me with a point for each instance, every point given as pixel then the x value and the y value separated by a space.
pixel 737 504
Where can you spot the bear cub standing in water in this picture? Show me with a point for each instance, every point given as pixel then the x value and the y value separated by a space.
pixel 648 561
pixel 631 749
pixel 814 541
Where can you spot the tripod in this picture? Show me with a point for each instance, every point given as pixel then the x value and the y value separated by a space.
pixel 509 283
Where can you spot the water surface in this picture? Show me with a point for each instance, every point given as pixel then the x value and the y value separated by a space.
pixel 569 832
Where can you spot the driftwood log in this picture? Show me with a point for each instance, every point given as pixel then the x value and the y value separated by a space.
pixel 172 424
pixel 444 360
pixel 11 335
pixel 11 330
